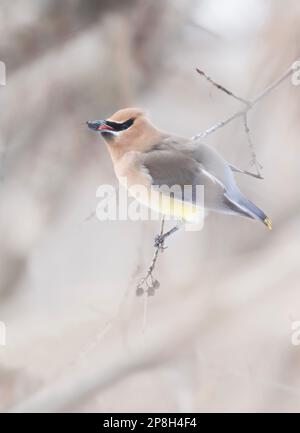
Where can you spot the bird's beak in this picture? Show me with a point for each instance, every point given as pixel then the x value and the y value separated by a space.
pixel 99 125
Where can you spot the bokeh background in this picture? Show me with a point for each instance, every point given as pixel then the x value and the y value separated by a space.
pixel 218 332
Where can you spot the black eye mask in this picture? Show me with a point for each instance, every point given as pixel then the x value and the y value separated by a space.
pixel 120 126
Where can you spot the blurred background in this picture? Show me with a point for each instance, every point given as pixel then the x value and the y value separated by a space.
pixel 229 294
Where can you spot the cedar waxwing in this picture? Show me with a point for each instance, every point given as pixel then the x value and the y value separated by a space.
pixel 146 156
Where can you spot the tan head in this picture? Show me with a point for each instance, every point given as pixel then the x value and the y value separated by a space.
pixel 126 130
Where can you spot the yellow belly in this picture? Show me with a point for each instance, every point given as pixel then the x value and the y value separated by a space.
pixel 166 205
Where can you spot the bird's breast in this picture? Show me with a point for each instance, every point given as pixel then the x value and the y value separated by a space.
pixel 137 180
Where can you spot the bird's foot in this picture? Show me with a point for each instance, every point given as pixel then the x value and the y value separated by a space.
pixel 160 239
pixel 159 242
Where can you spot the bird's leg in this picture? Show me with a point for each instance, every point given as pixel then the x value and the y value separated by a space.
pixel 160 239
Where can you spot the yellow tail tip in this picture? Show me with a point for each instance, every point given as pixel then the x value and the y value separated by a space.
pixel 268 223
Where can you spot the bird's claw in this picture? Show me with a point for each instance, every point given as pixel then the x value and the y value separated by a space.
pixel 159 242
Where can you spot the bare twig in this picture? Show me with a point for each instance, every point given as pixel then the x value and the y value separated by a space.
pixel 222 88
pixel 244 113
pixel 148 283
pixel 253 161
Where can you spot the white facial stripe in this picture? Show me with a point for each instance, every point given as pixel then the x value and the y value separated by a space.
pixel 107 131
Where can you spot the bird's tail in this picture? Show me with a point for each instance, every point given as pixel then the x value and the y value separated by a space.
pixel 253 211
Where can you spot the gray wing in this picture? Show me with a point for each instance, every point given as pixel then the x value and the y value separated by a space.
pixel 170 168
pixel 208 159
pixel 214 164
pixel 178 161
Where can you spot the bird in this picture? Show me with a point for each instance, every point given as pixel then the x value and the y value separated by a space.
pixel 144 155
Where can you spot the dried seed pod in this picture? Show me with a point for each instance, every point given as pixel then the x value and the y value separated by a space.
pixel 139 291
pixel 156 284
pixel 151 291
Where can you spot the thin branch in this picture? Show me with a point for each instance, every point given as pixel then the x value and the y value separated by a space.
pixel 217 126
pixel 238 170
pixel 250 105
pixel 148 283
pixel 253 161
pixel 292 69
pixel 222 88
pixel 244 113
